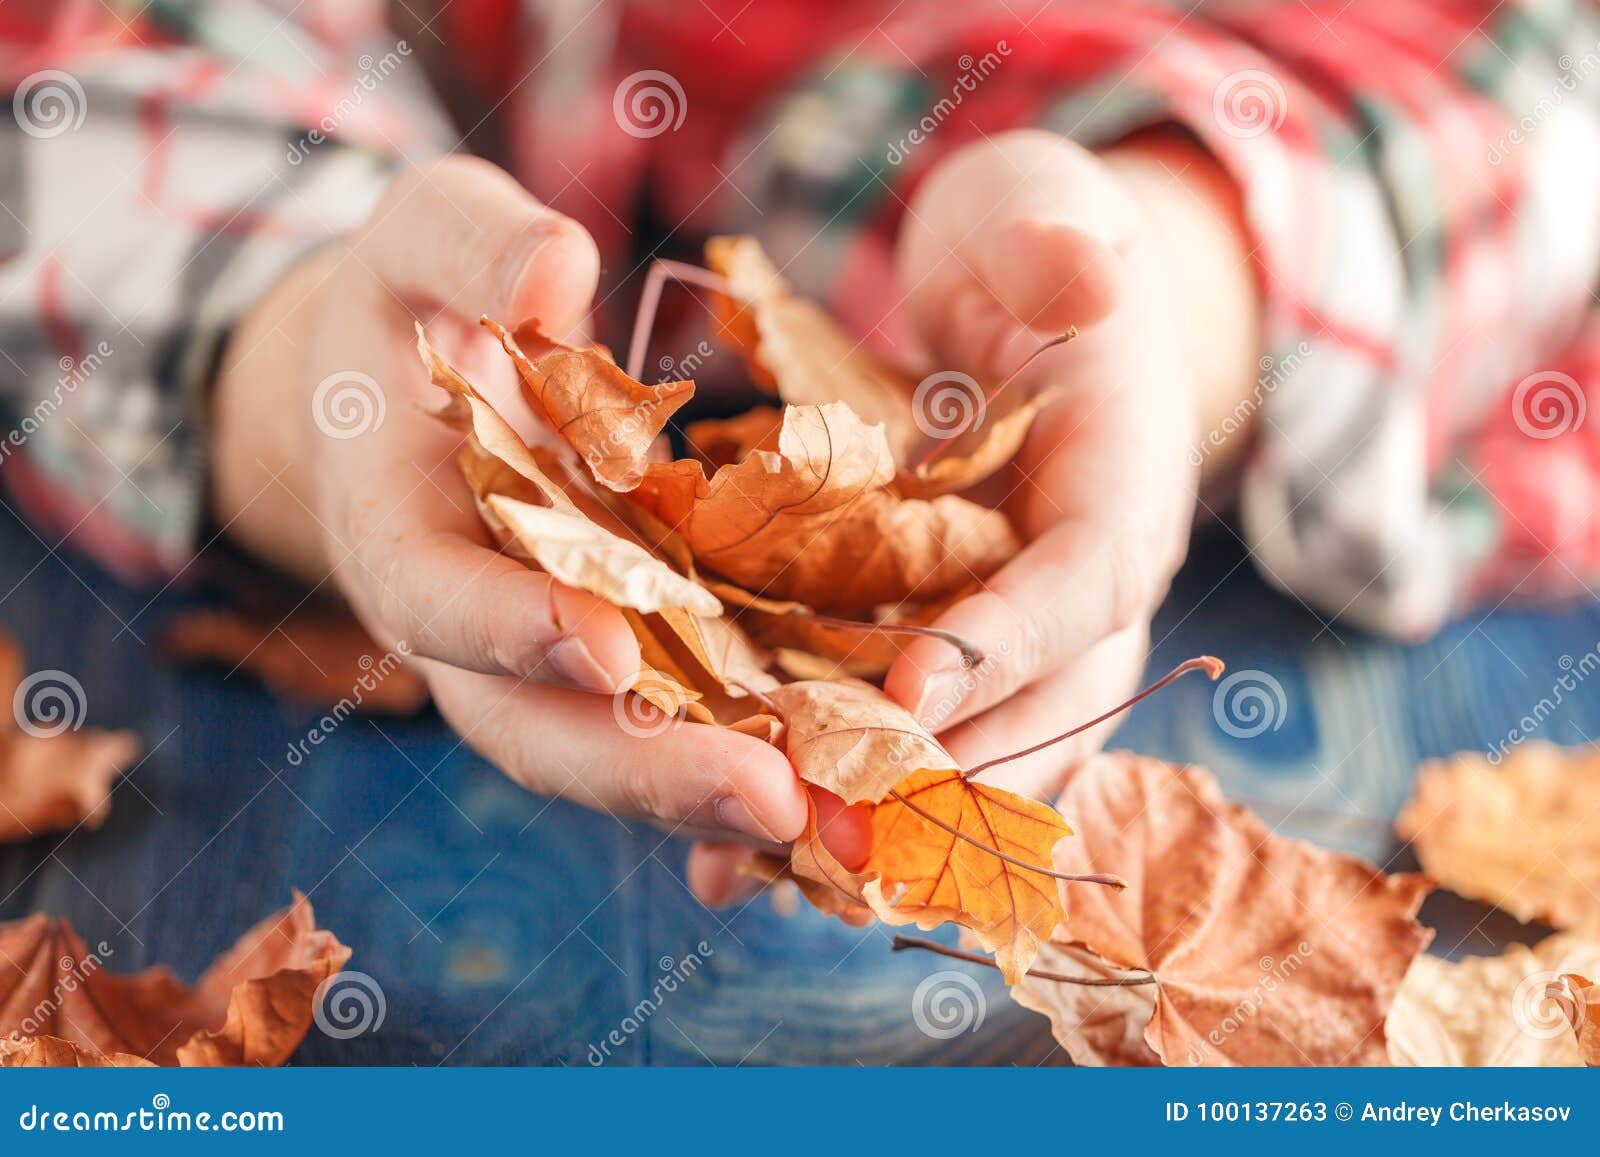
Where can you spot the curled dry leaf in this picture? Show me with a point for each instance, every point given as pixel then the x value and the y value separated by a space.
pixel 848 737
pixel 1516 1009
pixel 318 657
pixel 253 1006
pixel 56 777
pixel 607 417
pixel 793 348
pixel 1266 950
pixel 1518 836
pixel 815 521
pixel 944 848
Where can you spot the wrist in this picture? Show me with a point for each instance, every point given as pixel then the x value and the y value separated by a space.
pixel 262 491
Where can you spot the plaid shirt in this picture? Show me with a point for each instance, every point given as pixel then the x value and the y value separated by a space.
pixel 1421 178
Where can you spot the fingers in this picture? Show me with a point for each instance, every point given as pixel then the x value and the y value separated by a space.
pixel 1066 591
pixel 466 605
pixel 1021 231
pixel 568 744
pixel 1103 677
pixel 716 870
pixel 461 234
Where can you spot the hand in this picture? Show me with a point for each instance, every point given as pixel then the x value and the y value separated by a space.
pixel 522 666
pixel 1006 244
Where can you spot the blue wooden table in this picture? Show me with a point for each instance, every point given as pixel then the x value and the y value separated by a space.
pixel 506 929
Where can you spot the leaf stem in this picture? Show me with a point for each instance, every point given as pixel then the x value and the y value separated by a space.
pixel 644 318
pixel 1103 878
pixel 1210 665
pixel 901 943
pixel 941 443
pixel 971 656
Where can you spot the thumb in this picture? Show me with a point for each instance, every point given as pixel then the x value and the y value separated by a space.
pixel 461 235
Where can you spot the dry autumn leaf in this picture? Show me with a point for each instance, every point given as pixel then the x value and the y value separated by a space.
pixel 607 417
pixel 320 657
pixel 1511 1010
pixel 253 1006
pixel 1265 950
pixel 793 348
pixel 1516 836
pixel 1586 1007
pixel 943 849
pixel 815 521
pixel 54 774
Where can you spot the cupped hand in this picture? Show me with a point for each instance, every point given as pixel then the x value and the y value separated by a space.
pixel 1007 243
pixel 329 463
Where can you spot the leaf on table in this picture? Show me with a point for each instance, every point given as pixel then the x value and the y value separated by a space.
pixel 316 656
pixel 253 1006
pixel 55 774
pixel 792 347
pixel 1512 1010
pixel 607 417
pixel 814 520
pixel 1516 836
pixel 1586 1009
pixel 1267 950
pixel 53 1053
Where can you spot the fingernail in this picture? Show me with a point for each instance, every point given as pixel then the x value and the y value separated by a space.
pixel 942 693
pixel 734 813
pixel 574 661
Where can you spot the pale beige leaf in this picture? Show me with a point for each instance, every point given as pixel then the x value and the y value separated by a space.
pixel 1519 836
pixel 1498 1011
pixel 574 550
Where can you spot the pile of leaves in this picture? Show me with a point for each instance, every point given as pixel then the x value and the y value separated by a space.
pixel 799 545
